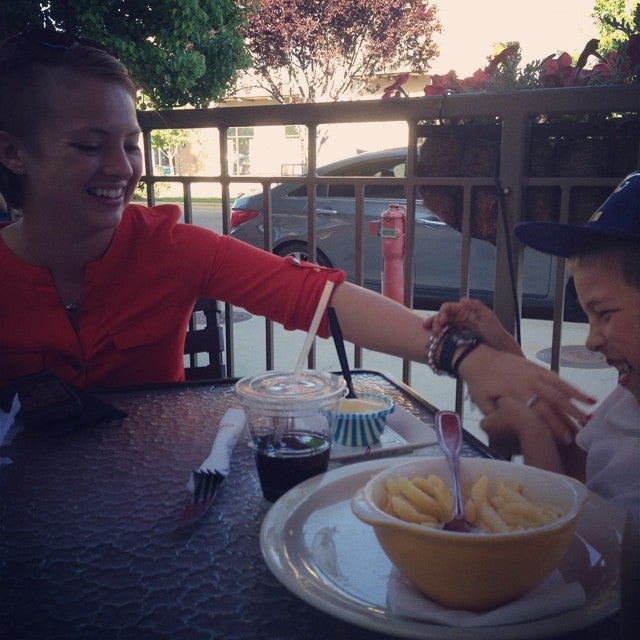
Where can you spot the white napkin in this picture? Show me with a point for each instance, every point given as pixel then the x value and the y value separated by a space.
pixel 6 422
pixel 550 597
pixel 231 426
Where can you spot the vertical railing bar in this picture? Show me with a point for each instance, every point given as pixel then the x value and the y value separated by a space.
pixel 410 227
pixel 267 220
pixel 558 309
pixel 187 201
pixel 228 308
pixel 359 231
pixel 225 180
pixel 312 173
pixel 510 173
pixel 465 228
pixel 148 163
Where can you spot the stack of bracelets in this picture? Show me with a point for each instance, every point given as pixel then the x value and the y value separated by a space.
pixel 442 362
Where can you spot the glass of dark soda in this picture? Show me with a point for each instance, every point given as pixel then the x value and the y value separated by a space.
pixel 291 421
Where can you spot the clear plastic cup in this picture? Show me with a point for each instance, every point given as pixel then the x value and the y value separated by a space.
pixel 291 425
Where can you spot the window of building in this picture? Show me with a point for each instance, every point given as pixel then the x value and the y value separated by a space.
pixel 162 162
pixel 291 131
pixel 239 139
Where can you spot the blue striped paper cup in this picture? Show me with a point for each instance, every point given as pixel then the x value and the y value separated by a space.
pixel 363 428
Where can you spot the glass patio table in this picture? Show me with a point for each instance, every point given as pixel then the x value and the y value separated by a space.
pixel 89 546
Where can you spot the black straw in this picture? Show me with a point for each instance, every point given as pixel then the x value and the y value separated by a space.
pixel 338 340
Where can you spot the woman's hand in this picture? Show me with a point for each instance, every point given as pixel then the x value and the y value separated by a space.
pixel 474 315
pixel 493 375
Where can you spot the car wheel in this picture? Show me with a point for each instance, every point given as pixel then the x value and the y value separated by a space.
pixel 300 250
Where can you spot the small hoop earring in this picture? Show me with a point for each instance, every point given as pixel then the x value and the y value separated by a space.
pixel 19 170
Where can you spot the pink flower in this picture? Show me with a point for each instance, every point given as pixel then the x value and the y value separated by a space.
pixel 556 71
pixel 615 68
pixel 395 90
pixel 612 61
pixel 476 82
pixel 440 84
pixel 560 72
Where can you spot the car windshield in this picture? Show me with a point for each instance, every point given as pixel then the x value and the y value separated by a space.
pixel 389 167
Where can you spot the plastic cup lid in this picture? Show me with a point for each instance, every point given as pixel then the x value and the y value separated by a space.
pixel 278 390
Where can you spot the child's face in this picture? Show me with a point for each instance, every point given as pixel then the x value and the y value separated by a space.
pixel 613 308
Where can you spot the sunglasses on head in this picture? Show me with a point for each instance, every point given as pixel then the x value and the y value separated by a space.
pixel 46 44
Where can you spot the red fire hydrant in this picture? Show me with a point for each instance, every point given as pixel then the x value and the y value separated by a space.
pixel 391 228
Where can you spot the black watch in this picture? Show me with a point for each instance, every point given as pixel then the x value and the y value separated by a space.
pixel 451 340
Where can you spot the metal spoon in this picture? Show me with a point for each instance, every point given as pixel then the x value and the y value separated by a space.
pixel 449 432
pixel 338 340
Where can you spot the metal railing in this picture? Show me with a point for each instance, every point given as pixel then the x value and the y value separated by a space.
pixel 514 114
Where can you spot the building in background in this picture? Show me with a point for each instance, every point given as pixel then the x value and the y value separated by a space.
pixel 277 150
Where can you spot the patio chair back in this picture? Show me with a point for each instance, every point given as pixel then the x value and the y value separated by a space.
pixel 204 345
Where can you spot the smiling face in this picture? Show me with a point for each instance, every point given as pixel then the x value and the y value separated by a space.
pixel 612 306
pixel 81 164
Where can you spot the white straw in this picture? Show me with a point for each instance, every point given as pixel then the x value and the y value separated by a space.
pixel 313 329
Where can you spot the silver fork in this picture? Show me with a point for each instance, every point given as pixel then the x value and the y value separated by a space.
pixel 205 485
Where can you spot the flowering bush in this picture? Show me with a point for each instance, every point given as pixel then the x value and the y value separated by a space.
pixel 504 73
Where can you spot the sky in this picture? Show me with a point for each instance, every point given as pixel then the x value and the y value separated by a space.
pixel 543 27
pixel 469 30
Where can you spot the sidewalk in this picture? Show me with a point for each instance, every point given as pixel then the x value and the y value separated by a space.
pixel 585 370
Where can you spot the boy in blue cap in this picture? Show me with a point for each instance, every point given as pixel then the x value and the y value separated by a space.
pixel 604 258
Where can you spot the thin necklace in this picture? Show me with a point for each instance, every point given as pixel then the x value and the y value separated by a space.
pixel 74 305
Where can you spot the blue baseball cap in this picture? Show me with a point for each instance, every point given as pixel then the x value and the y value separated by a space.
pixel 617 217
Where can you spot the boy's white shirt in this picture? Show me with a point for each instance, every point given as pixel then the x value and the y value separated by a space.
pixel 612 442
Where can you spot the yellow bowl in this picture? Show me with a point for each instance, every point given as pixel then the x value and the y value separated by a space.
pixel 474 571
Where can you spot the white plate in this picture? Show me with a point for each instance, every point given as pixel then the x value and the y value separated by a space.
pixel 323 554
pixel 403 433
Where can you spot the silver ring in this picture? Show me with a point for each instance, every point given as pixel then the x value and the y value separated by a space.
pixel 532 400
